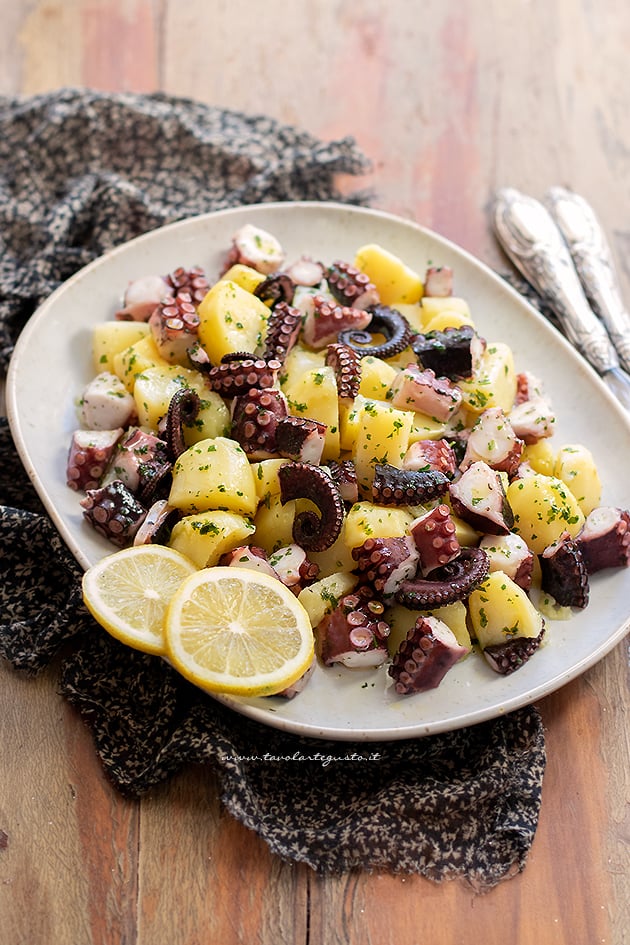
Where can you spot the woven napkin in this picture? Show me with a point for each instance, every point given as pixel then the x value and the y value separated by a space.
pixel 81 172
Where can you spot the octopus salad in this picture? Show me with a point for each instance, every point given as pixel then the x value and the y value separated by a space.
pixel 343 426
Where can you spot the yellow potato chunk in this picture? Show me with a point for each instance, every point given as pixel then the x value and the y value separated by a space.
pixel 110 338
pixel 575 465
pixel 382 437
pixel 314 395
pixel 274 524
pixel 540 456
pixel 323 596
pixel 205 537
pixel 395 281
pixel 500 610
pixel 366 520
pixel 544 508
pixel 336 558
pixel 448 318
pixel 376 377
pixel 231 319
pixel 266 478
pixel 244 276
pixel 494 383
pixel 214 474
pixel 154 389
pixel 131 362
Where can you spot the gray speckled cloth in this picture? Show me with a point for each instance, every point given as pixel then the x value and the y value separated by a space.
pixel 79 173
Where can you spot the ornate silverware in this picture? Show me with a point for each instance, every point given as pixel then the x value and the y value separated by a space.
pixel 535 245
pixel 594 263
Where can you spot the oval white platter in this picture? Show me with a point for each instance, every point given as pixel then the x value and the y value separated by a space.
pixel 52 363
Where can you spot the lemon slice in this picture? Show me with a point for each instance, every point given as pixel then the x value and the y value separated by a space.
pixel 240 632
pixel 129 591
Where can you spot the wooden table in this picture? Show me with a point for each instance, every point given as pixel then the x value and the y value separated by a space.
pixel 450 99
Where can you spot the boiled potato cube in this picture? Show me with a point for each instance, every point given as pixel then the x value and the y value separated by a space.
pixel 244 276
pixel 130 363
pixel 154 389
pixel 576 467
pixel 383 437
pixel 266 478
pixel 494 384
pixel 231 319
pixel 544 507
pixel 395 281
pixel 205 537
pixel 314 395
pixel 323 596
pixel 376 377
pixel 336 558
pixel 274 522
pixel 110 338
pixel 366 520
pixel 500 610
pixel 432 305
pixel 448 318
pixel 214 474
pixel 540 456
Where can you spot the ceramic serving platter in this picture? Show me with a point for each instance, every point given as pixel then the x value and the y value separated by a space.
pixel 52 364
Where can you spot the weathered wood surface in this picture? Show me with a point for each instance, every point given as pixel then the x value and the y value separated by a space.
pixel 450 99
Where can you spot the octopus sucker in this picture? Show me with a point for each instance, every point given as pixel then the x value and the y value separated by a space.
pixel 386 562
pixel 300 439
pixel 283 329
pixel 506 658
pixel 424 657
pixel 384 321
pixel 393 486
pixel 422 390
pixel 89 455
pixel 311 531
pixel 114 512
pixel 354 633
pixel 454 581
pixel 434 534
pixel 344 475
pixel 350 286
pixel 237 376
pixel 255 419
pixel 346 363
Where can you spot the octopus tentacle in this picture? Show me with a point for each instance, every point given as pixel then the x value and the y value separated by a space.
pixel 114 512
pixel 393 486
pixel 350 286
pixel 454 581
pixel 346 363
pixel 386 562
pixel 275 288
pixel 283 329
pixel 564 574
pixel 238 376
pixel 506 658
pixel 424 657
pixel 255 418
pixel 344 474
pixel 183 409
pixel 385 321
pixel 311 531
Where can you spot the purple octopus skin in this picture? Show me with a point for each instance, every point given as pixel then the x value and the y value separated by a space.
pixel 277 287
pixel 349 286
pixel 425 656
pixel 255 419
pixel 435 538
pixel 158 524
pixel 283 329
pixel 301 439
pixel 605 539
pixel 479 498
pixel 454 581
pixel 136 454
pixel 424 455
pixel 422 390
pixel 293 567
pixel 344 475
pixel 506 658
pixel 452 353
pixel 384 321
pixel 385 563
pixel 354 633
pixel 174 326
pixel 183 409
pixel 240 374
pixel 393 486
pixel 564 574
pixel 193 281
pixel 114 512
pixel 325 320
pixel 89 455
pixel 311 531
pixel 346 363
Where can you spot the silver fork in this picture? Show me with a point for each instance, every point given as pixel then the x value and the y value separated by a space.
pixel 533 241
